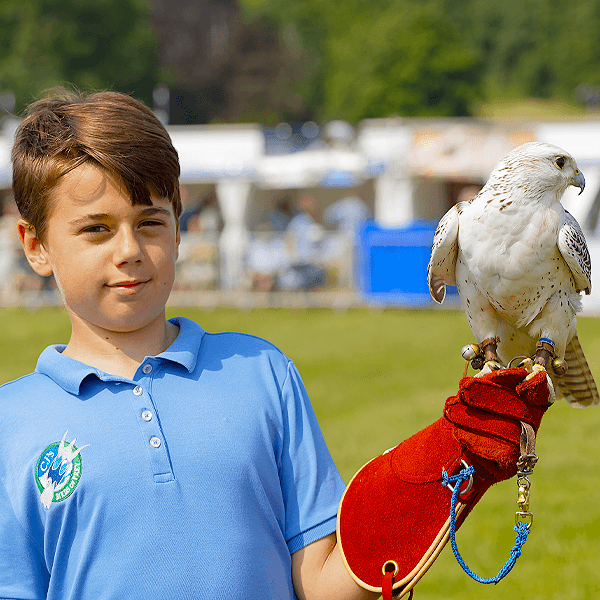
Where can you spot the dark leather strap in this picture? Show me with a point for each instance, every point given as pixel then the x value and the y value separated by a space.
pixel 528 457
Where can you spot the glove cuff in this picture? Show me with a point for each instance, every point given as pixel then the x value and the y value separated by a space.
pixel 395 513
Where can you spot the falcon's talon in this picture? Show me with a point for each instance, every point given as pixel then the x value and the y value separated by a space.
pixel 527 364
pixel 551 393
pixel 489 367
pixel 494 365
pixel 535 369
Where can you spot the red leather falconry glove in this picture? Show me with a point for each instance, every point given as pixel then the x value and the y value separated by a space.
pixel 395 513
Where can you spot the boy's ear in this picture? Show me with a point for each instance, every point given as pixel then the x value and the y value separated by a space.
pixel 36 254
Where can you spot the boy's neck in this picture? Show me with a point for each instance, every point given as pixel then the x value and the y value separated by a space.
pixel 118 353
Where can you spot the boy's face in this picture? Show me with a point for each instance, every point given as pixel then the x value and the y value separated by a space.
pixel 114 263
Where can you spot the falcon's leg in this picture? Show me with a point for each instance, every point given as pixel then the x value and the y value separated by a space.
pixel 544 352
pixel 483 319
pixel 537 367
pixel 488 357
pixel 552 328
pixel 488 348
pixel 551 342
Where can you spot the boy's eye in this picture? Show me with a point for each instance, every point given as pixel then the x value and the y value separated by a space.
pixel 151 223
pixel 95 229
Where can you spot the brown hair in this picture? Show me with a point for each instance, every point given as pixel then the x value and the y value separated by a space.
pixel 111 130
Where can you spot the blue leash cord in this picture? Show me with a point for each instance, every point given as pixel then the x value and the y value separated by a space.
pixel 521 529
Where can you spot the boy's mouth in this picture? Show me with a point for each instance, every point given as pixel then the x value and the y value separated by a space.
pixel 127 284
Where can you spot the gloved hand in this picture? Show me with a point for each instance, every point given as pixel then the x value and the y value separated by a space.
pixel 394 514
pixel 487 413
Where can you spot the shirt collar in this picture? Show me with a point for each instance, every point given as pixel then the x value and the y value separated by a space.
pixel 69 373
pixel 186 347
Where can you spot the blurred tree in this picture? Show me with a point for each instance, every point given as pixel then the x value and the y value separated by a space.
pixel 437 57
pixel 379 58
pixel 196 38
pixel 297 60
pixel 92 44
pixel 266 76
pixel 405 58
pixel 540 48
pixel 516 40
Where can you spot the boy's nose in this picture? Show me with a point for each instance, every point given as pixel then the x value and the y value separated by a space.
pixel 127 247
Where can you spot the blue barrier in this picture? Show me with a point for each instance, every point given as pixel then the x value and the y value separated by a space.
pixel 391 264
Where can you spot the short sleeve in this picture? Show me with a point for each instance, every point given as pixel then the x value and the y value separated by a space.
pixel 311 484
pixel 23 574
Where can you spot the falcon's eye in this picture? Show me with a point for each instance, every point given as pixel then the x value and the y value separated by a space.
pixel 560 162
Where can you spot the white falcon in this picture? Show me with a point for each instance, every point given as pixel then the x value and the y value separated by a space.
pixel 520 261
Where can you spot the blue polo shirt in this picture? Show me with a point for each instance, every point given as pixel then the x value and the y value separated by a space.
pixel 196 479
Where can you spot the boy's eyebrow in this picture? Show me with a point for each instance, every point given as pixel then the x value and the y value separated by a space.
pixel 154 210
pixel 146 212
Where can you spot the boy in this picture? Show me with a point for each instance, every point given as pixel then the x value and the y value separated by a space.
pixel 148 458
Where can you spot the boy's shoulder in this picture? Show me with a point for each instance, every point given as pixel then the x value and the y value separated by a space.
pixel 240 340
pixel 236 345
pixel 193 337
pixel 25 382
pixel 26 395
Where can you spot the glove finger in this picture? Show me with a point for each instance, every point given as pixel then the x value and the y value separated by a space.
pixel 496 399
pixel 535 390
pixel 509 378
pixel 477 421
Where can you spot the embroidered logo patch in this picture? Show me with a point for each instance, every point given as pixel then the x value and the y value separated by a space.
pixel 58 471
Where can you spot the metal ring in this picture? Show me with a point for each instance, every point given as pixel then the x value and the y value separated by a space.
pixel 525 517
pixel 522 477
pixel 469 484
pixel 386 567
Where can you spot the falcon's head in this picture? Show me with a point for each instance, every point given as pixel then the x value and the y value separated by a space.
pixel 538 170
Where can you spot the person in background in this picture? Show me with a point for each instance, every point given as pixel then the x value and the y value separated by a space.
pixel 305 237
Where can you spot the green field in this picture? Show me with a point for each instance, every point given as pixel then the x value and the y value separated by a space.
pixel 375 378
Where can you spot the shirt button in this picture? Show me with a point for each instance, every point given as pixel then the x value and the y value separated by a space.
pixel 147 415
pixel 146 368
pixel 138 390
pixel 154 442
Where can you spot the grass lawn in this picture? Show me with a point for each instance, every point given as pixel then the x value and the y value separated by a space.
pixel 377 377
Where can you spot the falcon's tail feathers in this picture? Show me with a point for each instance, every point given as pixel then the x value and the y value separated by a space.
pixel 577 385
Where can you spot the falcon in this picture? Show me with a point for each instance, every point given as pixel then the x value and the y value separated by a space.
pixel 520 262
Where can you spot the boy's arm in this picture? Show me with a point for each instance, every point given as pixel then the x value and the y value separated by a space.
pixel 22 569
pixel 395 511
pixel 318 573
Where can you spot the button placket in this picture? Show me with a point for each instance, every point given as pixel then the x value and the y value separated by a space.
pixel 151 431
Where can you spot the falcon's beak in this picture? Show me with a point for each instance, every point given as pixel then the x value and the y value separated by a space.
pixel 579 181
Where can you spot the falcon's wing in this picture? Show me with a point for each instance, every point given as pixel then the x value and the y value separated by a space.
pixel 573 247
pixel 442 264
